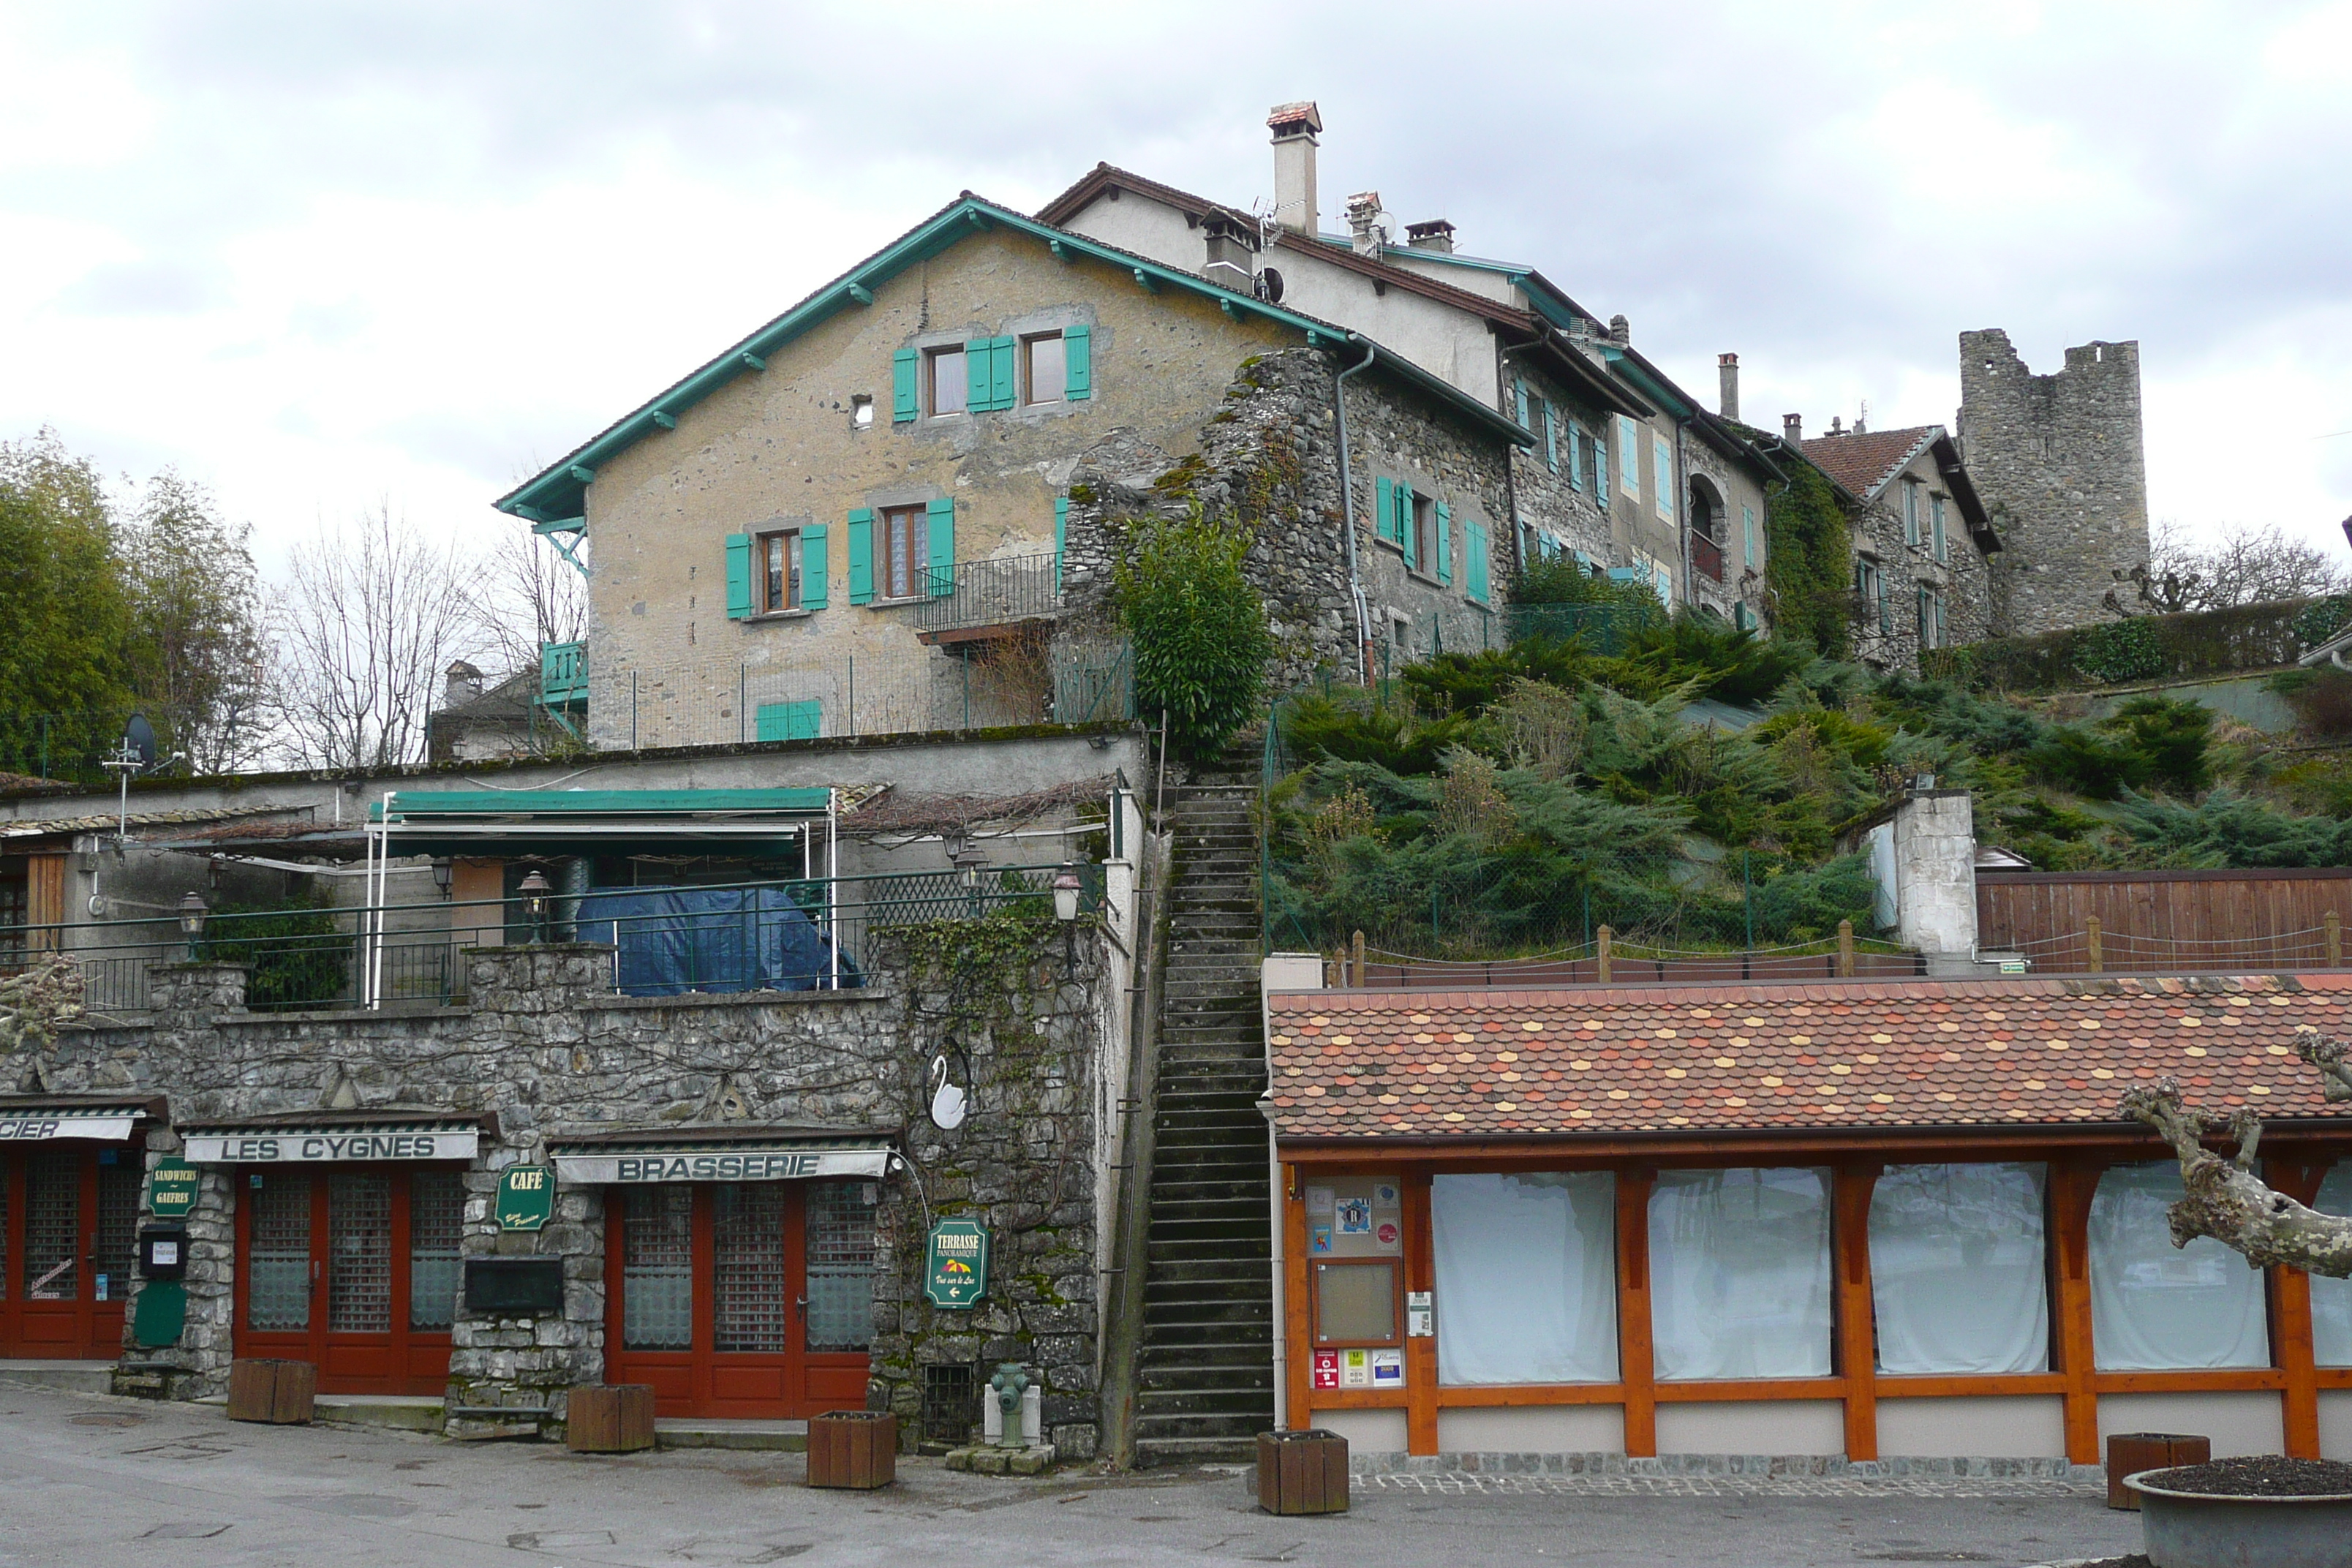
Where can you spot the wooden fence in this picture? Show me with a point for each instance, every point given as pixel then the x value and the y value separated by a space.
pixel 2075 922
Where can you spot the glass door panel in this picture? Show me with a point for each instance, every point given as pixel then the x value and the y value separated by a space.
pixel 359 1254
pixel 277 1255
pixel 118 1227
pixel 437 1214
pixel 657 1268
pixel 748 1297
pixel 52 1226
pixel 840 1266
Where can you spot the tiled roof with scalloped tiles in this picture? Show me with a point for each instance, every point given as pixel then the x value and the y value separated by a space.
pixel 1857 1054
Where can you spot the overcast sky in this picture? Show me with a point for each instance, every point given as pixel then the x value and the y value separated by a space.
pixel 319 256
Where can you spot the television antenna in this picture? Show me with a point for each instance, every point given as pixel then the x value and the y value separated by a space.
pixel 133 756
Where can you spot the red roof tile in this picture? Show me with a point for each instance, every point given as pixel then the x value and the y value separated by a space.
pixel 1857 1056
pixel 1863 463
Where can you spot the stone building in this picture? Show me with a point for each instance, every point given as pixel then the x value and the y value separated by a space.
pixel 2058 461
pixel 1923 546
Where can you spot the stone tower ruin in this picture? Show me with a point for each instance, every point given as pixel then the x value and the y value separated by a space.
pixel 2057 460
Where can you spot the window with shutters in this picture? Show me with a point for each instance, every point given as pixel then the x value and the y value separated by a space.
pixel 1426 551
pixel 1043 368
pixel 1629 456
pixel 780 563
pixel 1870 591
pixel 944 369
pixel 906 551
pixel 1910 511
pixel 1936 525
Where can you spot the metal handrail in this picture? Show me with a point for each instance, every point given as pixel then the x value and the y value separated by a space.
pixel 1003 592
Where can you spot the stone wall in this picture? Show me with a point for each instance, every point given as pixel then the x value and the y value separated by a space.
pixel 2058 461
pixel 548 1048
pixel 1963 580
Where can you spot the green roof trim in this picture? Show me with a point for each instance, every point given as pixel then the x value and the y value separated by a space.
pixel 1656 388
pixel 558 492
pixel 575 802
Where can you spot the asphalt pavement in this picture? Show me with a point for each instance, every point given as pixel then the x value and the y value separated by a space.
pixel 94 1482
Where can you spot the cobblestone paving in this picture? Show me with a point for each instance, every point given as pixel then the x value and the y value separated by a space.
pixel 1463 1483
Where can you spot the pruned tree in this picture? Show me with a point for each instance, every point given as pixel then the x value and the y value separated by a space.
pixel 373 616
pixel 2223 1197
pixel 37 999
pixel 2248 565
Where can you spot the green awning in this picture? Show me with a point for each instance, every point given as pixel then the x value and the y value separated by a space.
pixel 597 821
pixel 571 805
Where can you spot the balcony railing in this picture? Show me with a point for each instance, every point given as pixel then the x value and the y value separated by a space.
pixel 562 672
pixel 1005 591
pixel 1707 557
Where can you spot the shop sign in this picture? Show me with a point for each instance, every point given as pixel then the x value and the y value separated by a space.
pixel 42 1127
pixel 298 1148
pixel 955 1267
pixel 526 1196
pixel 171 1188
pixel 801 1165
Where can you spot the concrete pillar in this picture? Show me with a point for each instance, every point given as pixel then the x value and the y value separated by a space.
pixel 1936 878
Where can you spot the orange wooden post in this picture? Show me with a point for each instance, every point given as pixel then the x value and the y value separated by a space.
pixel 1635 1366
pixel 1357 949
pixel 1845 949
pixel 2335 940
pixel 1602 952
pixel 1857 1343
pixel 1419 1354
pixel 1298 1344
pixel 2071 1187
pixel 2098 955
pixel 2289 1303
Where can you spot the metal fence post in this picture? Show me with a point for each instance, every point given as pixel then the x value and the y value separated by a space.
pixel 2098 955
pixel 743 712
pixel 852 693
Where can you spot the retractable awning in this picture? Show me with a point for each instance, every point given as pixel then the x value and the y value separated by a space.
pixel 737 1152
pixel 30 1118
pixel 328 1139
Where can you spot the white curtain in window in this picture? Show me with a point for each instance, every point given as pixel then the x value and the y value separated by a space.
pixel 1956 1269
pixel 2157 1306
pixel 1739 1273
pixel 1526 1277
pixel 2331 1300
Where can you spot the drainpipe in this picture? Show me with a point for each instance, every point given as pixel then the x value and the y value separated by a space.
pixel 1348 514
pixel 1681 503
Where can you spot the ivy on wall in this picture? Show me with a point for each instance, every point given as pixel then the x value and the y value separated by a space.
pixel 1809 563
pixel 2145 647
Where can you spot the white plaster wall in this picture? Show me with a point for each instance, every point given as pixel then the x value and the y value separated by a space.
pixel 1753 1426
pixel 1533 1429
pixel 2020 1427
pixel 2334 1424
pixel 1145 226
pixel 1479 280
pixel 2248 1423
pixel 1366 1431
pixel 1935 869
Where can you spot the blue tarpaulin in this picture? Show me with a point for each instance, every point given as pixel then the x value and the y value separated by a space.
pixel 675 940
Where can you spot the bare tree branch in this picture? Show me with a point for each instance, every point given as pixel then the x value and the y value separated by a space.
pixel 2224 1199
pixel 37 999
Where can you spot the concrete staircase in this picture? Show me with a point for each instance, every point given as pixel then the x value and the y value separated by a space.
pixel 1205 1366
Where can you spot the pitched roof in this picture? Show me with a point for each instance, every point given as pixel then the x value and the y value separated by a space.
pixel 556 495
pixel 1522 326
pixel 1669 1061
pixel 1865 461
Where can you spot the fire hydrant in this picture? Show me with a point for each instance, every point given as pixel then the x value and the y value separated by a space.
pixel 1010 1384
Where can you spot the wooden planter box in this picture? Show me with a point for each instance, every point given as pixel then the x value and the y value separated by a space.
pixel 609 1418
pixel 2129 1453
pixel 1302 1472
pixel 278 1392
pixel 857 1449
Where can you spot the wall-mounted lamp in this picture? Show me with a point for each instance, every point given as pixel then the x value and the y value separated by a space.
pixel 534 891
pixel 192 911
pixel 1065 909
pixel 444 869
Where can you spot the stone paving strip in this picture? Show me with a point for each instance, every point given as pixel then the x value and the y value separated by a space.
pixel 1462 1482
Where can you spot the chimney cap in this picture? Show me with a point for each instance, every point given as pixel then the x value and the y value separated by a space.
pixel 1621 330
pixel 1300 119
pixel 1435 228
pixel 1726 359
pixel 1792 426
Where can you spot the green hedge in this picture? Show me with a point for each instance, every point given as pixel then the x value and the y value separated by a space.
pixel 2147 647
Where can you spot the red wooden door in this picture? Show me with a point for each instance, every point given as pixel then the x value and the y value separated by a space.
pixel 68 1225
pixel 745 1300
pixel 353 1270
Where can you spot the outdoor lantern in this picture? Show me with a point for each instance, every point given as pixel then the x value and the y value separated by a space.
pixel 1065 909
pixel 534 904
pixel 192 915
pixel 443 869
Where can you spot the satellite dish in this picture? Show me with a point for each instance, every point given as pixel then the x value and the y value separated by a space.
pixel 1269 286
pixel 139 740
pixel 950 1100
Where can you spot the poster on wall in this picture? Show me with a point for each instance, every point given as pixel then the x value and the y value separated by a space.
pixel 1388 1369
pixel 1355 1369
pixel 1318 1200
pixel 1327 1369
pixel 1319 1239
pixel 1385 1196
pixel 1355 1217
pixel 1387 1236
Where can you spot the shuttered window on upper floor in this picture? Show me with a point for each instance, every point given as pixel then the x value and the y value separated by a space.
pixel 990 374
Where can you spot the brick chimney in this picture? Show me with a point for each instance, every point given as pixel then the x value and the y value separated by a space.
pixel 1726 376
pixel 1621 331
pixel 1792 428
pixel 1296 129
pixel 1436 235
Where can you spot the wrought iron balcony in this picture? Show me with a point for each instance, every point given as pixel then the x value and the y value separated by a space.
pixel 1005 592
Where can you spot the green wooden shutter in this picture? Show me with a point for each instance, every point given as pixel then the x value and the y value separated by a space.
pixel 1519 403
pixel 1404 524
pixel 1077 363
pixel 790 720
pixel 1061 536
pixel 1601 470
pixel 738 576
pixel 1575 455
pixel 1002 392
pixel 1748 537
pixel 942 532
pixel 1445 543
pixel 814 567
pixel 1383 508
pixel 861 556
pixel 1475 540
pixel 979 375
pixel 904 403
pixel 1551 439
pixel 1664 463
